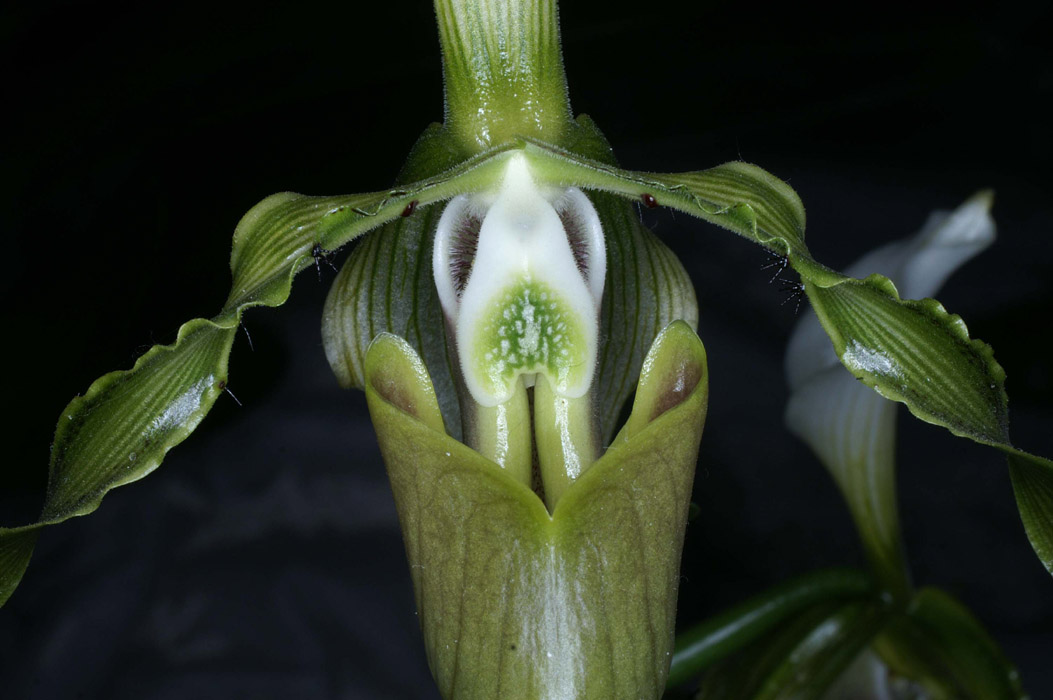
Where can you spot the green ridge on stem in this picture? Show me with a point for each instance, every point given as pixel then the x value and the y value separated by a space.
pixel 503 71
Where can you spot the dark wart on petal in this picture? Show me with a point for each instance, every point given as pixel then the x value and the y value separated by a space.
pixel 463 245
pixel 576 236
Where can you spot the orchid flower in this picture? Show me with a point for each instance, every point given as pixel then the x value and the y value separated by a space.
pixel 852 431
pixel 503 305
pixel 838 633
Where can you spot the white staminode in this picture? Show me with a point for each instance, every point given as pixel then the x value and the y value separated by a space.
pixel 531 298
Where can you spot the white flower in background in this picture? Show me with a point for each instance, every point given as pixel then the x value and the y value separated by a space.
pixel 849 426
pixel 868 678
pixel 918 266
pixel 852 429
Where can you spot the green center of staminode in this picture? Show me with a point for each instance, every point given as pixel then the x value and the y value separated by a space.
pixel 530 330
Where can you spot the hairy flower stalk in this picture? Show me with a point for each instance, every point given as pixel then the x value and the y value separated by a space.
pixel 502 71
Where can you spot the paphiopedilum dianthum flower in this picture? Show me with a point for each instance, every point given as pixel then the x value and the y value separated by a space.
pixel 498 316
pixel 544 549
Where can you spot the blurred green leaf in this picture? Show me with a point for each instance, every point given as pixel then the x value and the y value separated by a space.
pixel 722 635
pixel 820 657
pixel 938 642
pixel 801 658
pixel 742 675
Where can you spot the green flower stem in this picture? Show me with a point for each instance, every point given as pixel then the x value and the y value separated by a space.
pixel 502 433
pixel 565 431
pixel 503 71
pixel 716 638
pixel 853 429
pixel 871 495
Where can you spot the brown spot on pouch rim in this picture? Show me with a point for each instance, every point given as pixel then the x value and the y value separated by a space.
pixel 392 392
pixel 677 386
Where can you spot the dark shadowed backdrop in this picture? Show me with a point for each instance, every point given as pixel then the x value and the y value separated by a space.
pixel 263 559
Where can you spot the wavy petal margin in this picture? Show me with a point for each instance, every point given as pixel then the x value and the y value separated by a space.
pixel 914 352
pixel 851 429
pixel 909 351
pixel 121 428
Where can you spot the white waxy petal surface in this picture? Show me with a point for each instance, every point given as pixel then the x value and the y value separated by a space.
pixel 526 307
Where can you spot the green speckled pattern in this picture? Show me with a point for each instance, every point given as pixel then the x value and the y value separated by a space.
pixel 531 330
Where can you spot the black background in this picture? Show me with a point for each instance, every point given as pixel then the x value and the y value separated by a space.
pixel 263 559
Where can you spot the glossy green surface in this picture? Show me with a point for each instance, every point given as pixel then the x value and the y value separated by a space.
pixel 701 646
pixel 503 71
pixel 515 602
